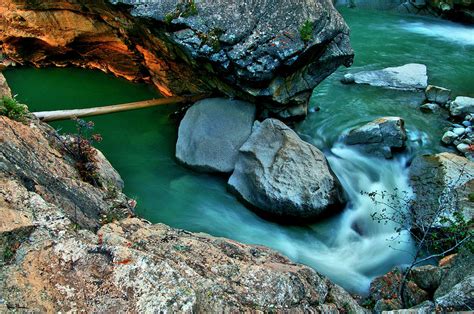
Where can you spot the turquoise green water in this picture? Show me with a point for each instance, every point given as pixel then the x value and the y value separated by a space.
pixel 383 40
pixel 140 144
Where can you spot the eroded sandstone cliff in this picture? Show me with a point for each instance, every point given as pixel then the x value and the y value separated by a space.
pixel 250 49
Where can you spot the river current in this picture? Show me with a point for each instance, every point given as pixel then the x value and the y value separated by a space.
pixel 350 248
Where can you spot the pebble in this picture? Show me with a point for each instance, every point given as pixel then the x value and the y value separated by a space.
pixel 455 125
pixel 469 129
pixel 466 123
pixel 463 148
pixel 314 109
pixel 429 107
pixel 459 131
pixel 348 79
pixel 449 137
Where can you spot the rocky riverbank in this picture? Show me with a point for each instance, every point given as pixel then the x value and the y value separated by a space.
pixel 67 245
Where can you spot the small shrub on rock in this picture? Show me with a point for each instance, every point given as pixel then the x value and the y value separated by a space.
pixel 11 108
pixel 306 31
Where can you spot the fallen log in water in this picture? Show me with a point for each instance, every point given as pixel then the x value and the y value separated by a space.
pixel 87 112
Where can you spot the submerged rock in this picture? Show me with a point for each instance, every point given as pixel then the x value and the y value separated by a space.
pixel 211 133
pixel 283 176
pixel 461 106
pixel 380 137
pixel 437 94
pixel 410 76
pixel 441 183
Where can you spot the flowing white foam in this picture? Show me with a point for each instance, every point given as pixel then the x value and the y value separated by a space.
pixel 350 248
pixel 446 31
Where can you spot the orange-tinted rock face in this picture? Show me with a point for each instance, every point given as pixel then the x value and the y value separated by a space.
pixel 94 36
pixel 258 58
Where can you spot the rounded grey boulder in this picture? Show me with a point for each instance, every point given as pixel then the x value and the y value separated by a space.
pixel 283 176
pixel 212 132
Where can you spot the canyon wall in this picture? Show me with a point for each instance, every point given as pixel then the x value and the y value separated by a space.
pixel 272 53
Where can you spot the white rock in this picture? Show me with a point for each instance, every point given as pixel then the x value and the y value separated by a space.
pixel 463 148
pixel 406 77
pixel 459 131
pixel 449 137
pixel 461 105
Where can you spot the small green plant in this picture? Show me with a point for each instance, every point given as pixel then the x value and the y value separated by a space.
pixel 212 38
pixel 8 254
pixel 182 248
pixel 169 17
pixel 114 214
pixel 74 227
pixel 306 31
pixel 186 9
pixel 11 108
pixel 189 9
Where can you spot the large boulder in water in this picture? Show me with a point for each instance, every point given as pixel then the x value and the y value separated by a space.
pixel 380 137
pixel 410 76
pixel 212 132
pixel 283 176
pixel 442 184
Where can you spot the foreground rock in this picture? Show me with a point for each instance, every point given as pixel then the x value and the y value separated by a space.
pixel 429 288
pixel 442 184
pixel 283 176
pixel 384 290
pixel 4 88
pixel 251 49
pixel 57 260
pixel 380 138
pixel 212 132
pixel 410 76
pixel 33 155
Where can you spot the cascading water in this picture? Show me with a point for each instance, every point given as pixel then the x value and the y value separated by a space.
pixel 447 31
pixel 350 248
